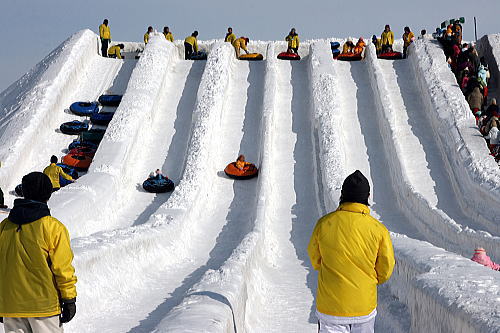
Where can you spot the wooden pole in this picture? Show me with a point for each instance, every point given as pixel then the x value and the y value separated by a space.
pixel 475 28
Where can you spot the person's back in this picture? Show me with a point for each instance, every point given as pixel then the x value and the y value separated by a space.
pixel 475 99
pixel 53 171
pixel 115 51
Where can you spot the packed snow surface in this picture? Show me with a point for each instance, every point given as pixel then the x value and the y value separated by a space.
pixel 218 255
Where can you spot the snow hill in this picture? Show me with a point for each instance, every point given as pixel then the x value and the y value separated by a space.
pixel 217 255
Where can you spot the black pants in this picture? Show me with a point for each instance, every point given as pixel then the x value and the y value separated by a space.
pixel 1 198
pixel 188 51
pixel 104 47
pixel 386 48
pixel 405 48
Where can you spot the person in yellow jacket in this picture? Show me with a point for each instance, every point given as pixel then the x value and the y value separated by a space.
pixel 387 39
pixel 53 171
pixel 408 38
pixel 348 46
pixel 230 37
pixel 105 35
pixel 360 46
pixel 168 35
pixel 353 253
pixel 37 278
pixel 378 44
pixel 115 51
pixel 146 35
pixel 241 42
pixel 191 45
pixel 293 41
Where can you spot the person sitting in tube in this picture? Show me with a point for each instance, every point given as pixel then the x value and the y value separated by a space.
pixel 242 164
pixel 157 175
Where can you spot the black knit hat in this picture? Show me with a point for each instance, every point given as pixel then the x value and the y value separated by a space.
pixel 356 188
pixel 37 186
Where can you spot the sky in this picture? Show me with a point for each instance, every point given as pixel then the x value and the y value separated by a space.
pixel 30 29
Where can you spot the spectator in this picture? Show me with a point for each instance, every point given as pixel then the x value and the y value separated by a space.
pixel 168 35
pixel 147 34
pixel 482 258
pixel 475 100
pixel 230 37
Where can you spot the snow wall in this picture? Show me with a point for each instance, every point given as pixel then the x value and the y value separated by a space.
pixel 489 47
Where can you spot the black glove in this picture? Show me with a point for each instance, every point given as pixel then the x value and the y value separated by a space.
pixel 68 310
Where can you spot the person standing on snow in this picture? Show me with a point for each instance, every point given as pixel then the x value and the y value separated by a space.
pixel 353 253
pixel 190 45
pixel 37 278
pixel 241 42
pixel 53 171
pixel 230 37
pixel 408 38
pixel 387 38
pixel 293 42
pixel 146 35
pixel 168 35
pixel 105 35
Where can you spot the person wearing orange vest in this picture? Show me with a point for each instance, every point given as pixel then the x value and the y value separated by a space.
pixel 360 46
pixel 105 35
pixel 352 251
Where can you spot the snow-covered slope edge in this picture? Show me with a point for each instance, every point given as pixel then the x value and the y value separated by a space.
pixel 437 227
pixel 96 197
pixel 107 261
pixel 489 47
pixel 474 174
pixel 218 302
pixel 40 93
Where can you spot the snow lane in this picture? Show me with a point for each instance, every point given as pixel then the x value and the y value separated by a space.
pixel 294 211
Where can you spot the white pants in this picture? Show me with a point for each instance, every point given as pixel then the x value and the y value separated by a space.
pixel 367 327
pixel 32 325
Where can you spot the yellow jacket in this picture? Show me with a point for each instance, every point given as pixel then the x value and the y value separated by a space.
pixel 353 253
pixel 240 42
pixel 408 38
pixel 104 31
pixel 293 41
pixel 115 50
pixel 230 38
pixel 347 48
pixel 35 263
pixel 169 37
pixel 387 37
pixel 54 171
pixel 146 37
pixel 193 41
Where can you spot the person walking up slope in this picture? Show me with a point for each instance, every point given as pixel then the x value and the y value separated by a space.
pixel 37 278
pixel 105 35
pixel 53 171
pixel 353 253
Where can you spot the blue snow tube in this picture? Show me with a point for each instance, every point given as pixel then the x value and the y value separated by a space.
pixel 101 118
pixel 334 45
pixel 335 53
pixel 200 55
pixel 110 100
pixel 74 127
pixel 84 108
pixel 84 144
pixel 158 185
pixel 70 171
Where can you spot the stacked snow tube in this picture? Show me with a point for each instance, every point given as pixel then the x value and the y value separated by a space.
pixel 102 118
pixel 200 55
pixel 110 100
pixel 233 172
pixel 78 143
pixel 390 55
pixel 78 161
pixel 288 56
pixel 93 135
pixel 252 57
pixel 74 127
pixel 88 151
pixel 158 185
pixel 335 49
pixel 84 108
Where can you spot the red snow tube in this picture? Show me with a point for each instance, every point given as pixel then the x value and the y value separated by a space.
pixel 87 151
pixel 288 56
pixel 390 55
pixel 248 172
pixel 350 57
pixel 78 161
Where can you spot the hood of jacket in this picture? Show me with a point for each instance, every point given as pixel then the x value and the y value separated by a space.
pixel 26 211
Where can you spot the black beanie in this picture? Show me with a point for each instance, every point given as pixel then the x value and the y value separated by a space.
pixel 37 186
pixel 356 188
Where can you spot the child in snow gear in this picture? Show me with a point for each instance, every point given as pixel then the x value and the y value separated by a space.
pixel 53 171
pixel 482 258
pixel 353 253
pixel 230 37
pixel 387 39
pixel 241 163
pixel 408 38
pixel 293 42
pixel 146 35
pixel 190 45
pixel 360 46
pixel 115 51
pixel 157 174
pixel 348 46
pixel 37 277
pixel 168 35
pixel 105 36
pixel 241 42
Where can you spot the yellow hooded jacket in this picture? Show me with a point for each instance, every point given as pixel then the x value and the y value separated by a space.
pixel 53 171
pixel 169 37
pixel 104 31
pixel 193 41
pixel 35 265
pixel 387 37
pixel 114 50
pixel 408 38
pixel 353 253
pixel 293 41
pixel 230 38
pixel 240 42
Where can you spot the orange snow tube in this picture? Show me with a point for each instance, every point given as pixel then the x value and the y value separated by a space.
pixel 78 161
pixel 251 56
pixel 248 172
pixel 350 57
